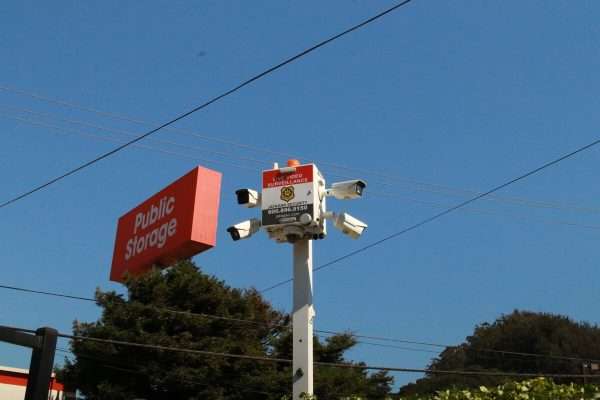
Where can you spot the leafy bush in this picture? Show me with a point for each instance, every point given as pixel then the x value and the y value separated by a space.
pixel 534 389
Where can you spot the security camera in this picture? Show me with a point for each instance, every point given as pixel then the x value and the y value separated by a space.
pixel 347 190
pixel 248 197
pixel 244 229
pixel 349 225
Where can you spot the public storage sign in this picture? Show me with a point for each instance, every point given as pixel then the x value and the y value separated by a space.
pixel 177 222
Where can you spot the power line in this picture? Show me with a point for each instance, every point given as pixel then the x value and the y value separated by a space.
pixel 63 130
pixel 78 132
pixel 231 319
pixel 421 185
pixel 54 294
pixel 388 346
pixel 324 364
pixel 320 331
pixel 202 315
pixel 206 104
pixel 484 211
pixel 69 131
pixel 444 213
pixel 138 121
pixel 476 349
pixel 387 339
pixel 287 361
pixel 103 363
pixel 122 133
pixel 174 349
pixel 106 364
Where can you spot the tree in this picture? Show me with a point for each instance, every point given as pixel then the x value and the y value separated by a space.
pixel 158 310
pixel 331 382
pixel 518 332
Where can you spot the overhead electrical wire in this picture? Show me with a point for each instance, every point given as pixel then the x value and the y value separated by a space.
pixel 106 364
pixel 484 211
pixel 54 294
pixel 445 212
pixel 319 331
pixel 231 319
pixel 243 388
pixel 421 186
pixel 125 133
pixel 205 104
pixel 138 121
pixel 226 156
pixel 71 131
pixel 360 366
pixel 68 130
pixel 384 345
pixel 361 342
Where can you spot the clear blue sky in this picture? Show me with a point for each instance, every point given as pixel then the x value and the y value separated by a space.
pixel 460 94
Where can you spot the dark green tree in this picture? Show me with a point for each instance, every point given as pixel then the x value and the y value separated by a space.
pixel 146 315
pixel 334 382
pixel 495 347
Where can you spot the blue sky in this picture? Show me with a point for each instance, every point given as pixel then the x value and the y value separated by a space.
pixel 434 100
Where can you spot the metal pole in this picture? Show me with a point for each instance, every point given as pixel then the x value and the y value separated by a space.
pixel 302 319
pixel 42 362
pixel 584 371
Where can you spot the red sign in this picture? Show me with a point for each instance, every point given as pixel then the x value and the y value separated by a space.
pixel 275 178
pixel 177 222
pixel 287 195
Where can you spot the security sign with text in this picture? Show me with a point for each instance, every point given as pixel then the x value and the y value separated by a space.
pixel 286 196
pixel 177 222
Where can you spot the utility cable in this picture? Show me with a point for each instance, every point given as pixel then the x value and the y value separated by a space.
pixel 421 185
pixel 484 211
pixel 120 132
pixel 103 363
pixel 388 346
pixel 69 131
pixel 173 349
pixel 206 104
pixel 106 364
pixel 324 364
pixel 444 213
pixel 476 349
pixel 319 331
pixel 209 316
pixel 54 294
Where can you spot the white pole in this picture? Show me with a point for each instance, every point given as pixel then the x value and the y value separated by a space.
pixel 302 320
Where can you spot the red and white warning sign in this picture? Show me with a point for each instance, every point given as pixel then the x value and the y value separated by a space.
pixel 288 195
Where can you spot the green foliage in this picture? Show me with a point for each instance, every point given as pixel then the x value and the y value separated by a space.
pixel 305 396
pixel 535 389
pixel 520 331
pixel 115 372
pixel 338 383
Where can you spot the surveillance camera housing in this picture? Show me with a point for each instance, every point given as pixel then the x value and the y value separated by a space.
pixel 244 229
pixel 349 225
pixel 293 203
pixel 248 197
pixel 293 233
pixel 347 190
